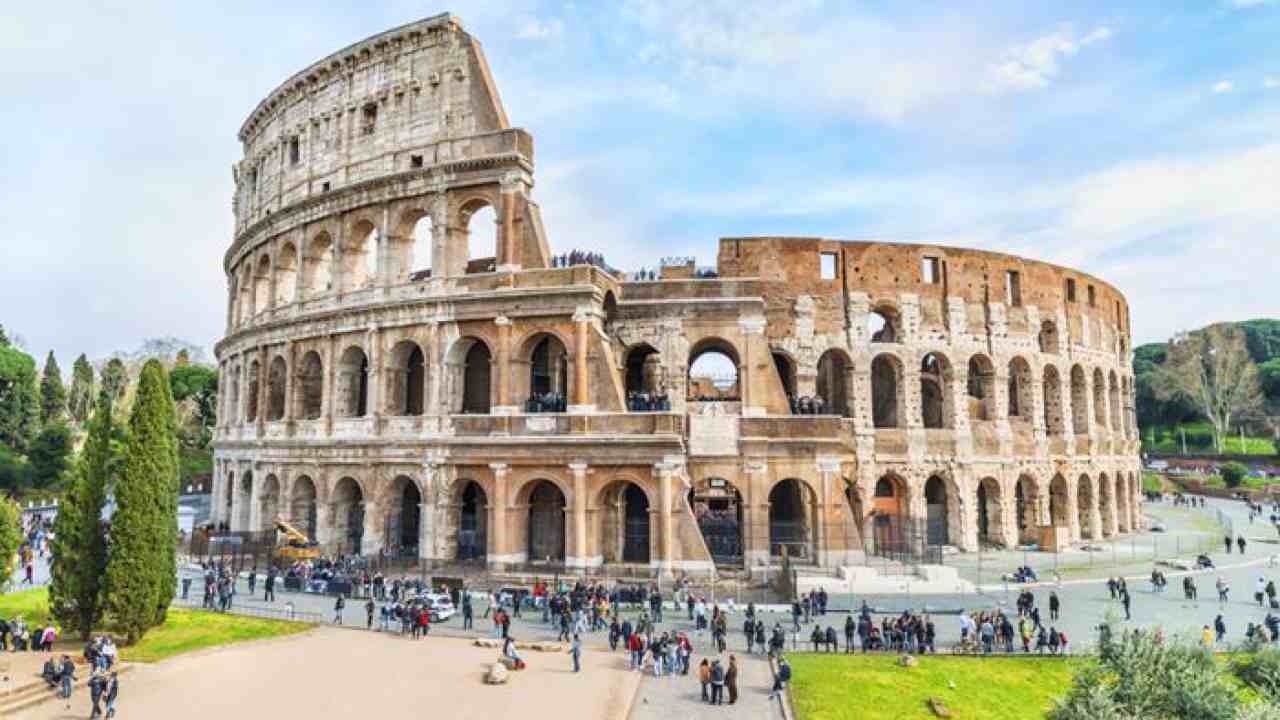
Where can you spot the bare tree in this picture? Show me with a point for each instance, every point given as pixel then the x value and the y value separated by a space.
pixel 1212 368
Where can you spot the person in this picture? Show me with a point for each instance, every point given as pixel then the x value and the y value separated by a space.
pixel 749 630
pixel 717 683
pixel 338 605
pixel 1260 591
pixel 50 673
pixel 1227 542
pixel 468 622
pixel 269 594
pixel 781 679
pixel 636 645
pixel 832 644
pixel 1112 587
pixel 67 675
pixel 253 581
pixel 817 637
pixel 731 679
pixel 1054 606
pixel 186 587
pixel 704 677
pixel 1207 637
pixel 97 687
pixel 1223 589
pixel 1219 628
pixel 988 633
pixel 1240 543
pixel 113 690
pixel 760 639
pixel 368 611
pixel 850 629
pixel 1124 600
pixel 509 650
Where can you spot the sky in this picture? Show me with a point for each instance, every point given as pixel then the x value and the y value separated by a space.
pixel 1136 141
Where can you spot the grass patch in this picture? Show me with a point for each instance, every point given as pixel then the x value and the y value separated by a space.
pixel 1152 482
pixel 1199 438
pixel 183 631
pixel 873 687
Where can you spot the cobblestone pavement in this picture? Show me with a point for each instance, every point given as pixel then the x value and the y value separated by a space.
pixel 681 697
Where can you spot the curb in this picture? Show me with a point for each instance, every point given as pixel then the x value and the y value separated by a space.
pixel 1137 578
pixel 784 698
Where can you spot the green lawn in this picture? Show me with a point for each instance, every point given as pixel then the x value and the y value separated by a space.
pixel 1200 440
pixel 183 631
pixel 873 687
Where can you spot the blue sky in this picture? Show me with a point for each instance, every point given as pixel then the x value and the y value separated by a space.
pixel 1137 141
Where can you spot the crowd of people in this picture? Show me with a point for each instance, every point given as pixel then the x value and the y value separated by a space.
pixel 648 402
pixel 806 405
pixel 551 401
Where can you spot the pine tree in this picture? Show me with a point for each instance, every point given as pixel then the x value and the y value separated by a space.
pixel 142 565
pixel 80 400
pixel 10 539
pixel 79 543
pixel 53 396
pixel 182 359
pixel 115 379
pixel 19 398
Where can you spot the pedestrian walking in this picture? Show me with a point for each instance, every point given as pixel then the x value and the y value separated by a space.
pixel 1240 543
pixel 269 594
pixel 575 649
pixel 113 691
pixel 1124 600
pixel 704 677
pixel 338 605
pixel 731 679
pixel 781 678
pixel 1226 541
pixel 1054 606
pixel 717 683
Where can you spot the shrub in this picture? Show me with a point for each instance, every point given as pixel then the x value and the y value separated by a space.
pixel 1233 473
pixel 1260 670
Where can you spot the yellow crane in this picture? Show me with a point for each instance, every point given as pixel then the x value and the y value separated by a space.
pixel 292 544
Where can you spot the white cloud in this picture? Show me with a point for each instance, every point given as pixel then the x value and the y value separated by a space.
pixel 1223 86
pixel 1270 83
pixel 535 29
pixel 1247 4
pixel 1034 65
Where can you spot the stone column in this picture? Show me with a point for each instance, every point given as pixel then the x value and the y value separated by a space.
pixel 581 373
pixel 373 383
pixel 329 398
pixel 427 542
pixel 374 527
pixel 263 361
pixel 505 405
pixel 579 557
pixel 233 522
pixel 752 328
pixel 255 503
pixel 499 552
pixel 828 477
pixel 508 250
pixel 664 470
pixel 755 515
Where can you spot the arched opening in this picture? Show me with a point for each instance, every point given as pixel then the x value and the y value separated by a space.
pixel 360 256
pixel 403 518
pixel 1021 397
pixel 935 384
pixel 277 377
pixel 310 395
pixel 268 504
pixel 1054 419
pixel 981 388
pixel 791 520
pixel 262 285
pixel 883 325
pixel 885 394
pixel 713 371
pixel 942 514
pixel 1048 337
pixel 286 274
pixel 990 515
pixel 473 522
pixel 417 266
pixel 786 370
pixel 1113 396
pixel 1099 398
pixel 246 309
pixel 481 223
pixel 546 523
pixel 302 506
pixel 1079 402
pixel 610 308
pixel 624 531
pixel 470 367
pixel 833 383
pixel 244 504
pixel 317 266
pixel 251 404
pixel 1026 497
pixel 888 511
pixel 406 379
pixel 1084 507
pixel 1059 502
pixel 548 364
pixel 646 386
pixel 717 506
pixel 1106 506
pixel 348 517
pixel 353 383
pixel 233 397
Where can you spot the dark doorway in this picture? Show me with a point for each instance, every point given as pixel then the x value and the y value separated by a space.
pixel 935 497
pixel 472 522
pixel 635 544
pixel 787 522
pixel 546 523
pixel 718 509
pixel 417 376
pixel 475 382
pixel 410 516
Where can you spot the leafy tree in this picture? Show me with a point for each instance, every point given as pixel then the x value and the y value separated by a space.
pixel 182 359
pixel 15 471
pixel 53 396
pixel 1233 473
pixel 4 338
pixel 199 384
pixel 19 399
pixel 79 543
pixel 142 566
pixel 49 453
pixel 10 539
pixel 115 379
pixel 1212 367
pixel 80 399
pixel 1262 338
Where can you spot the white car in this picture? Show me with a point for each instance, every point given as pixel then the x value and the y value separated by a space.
pixel 440 606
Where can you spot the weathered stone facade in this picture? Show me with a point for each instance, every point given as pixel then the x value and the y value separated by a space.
pixel 967 397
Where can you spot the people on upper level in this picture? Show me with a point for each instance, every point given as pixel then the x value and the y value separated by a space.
pixel 648 402
pixel 806 405
pixel 548 402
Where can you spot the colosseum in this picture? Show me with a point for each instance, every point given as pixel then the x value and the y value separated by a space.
pixel 410 371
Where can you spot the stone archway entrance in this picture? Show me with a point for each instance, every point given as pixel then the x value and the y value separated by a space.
pixel 472 523
pixel 888 504
pixel 546 523
pixel 717 506
pixel 1027 503
pixel 935 498
pixel 791 520
pixel 990 517
pixel 625 536
pixel 348 517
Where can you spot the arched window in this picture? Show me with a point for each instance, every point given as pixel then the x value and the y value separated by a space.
pixel 713 371
pixel 1099 398
pixel 406 379
pixel 348 517
pixel 481 223
pixel 1021 396
pixel 262 285
pixel 883 325
pixel 645 378
pixel 833 382
pixel 981 387
pixel 310 395
pixel 418 265
pixel 548 376
pixel 353 383
pixel 360 256
pixel 251 402
pixel 470 369
pixel 1079 401
pixel 277 377
pixel 791 515
pixel 1048 339
pixel 302 506
pixel 545 528
pixel 935 392
pixel 317 266
pixel 1054 418
pixel 473 522
pixel 886 379
pixel 286 274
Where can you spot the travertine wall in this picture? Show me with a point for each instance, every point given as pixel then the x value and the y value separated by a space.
pixel 962 404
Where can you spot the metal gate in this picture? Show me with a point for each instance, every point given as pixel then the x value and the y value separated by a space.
pixel 635 541
pixel 936 524
pixel 723 536
pixel 471 544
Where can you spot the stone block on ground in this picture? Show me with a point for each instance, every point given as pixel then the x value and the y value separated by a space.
pixel 497 675
pixel 939 708
pixel 908 661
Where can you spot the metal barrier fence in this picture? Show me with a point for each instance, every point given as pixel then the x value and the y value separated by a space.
pixel 286 612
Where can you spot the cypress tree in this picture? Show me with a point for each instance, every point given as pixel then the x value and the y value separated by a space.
pixel 80 400
pixel 115 378
pixel 19 398
pixel 79 544
pixel 53 396
pixel 142 565
pixel 10 539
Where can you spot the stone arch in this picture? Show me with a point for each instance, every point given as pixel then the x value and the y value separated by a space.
pixel 251 402
pixel 886 391
pixel 981 387
pixel 317 265
pixel 406 382
pixel 785 366
pixel 1021 390
pixel 470 366
pixel 479 222
pixel 1059 502
pixel 937 407
pixel 1079 401
pixel 286 274
pixel 1055 422
pixel 834 381
pixel 472 521
pixel 884 323
pixel 1099 398
pixel 262 298
pixel 890 515
pixel 360 255
pixel 247 311
pixel 309 397
pixel 713 370
pixel 303 509
pixel 268 503
pixel 1048 337
pixel 989 502
pixel 353 382
pixel 1086 508
pixel 943 523
pixel 1027 499
pixel 1113 398
pixel 277 380
pixel 624 517
pixel 793 519
pixel 1106 504
pixel 644 371
pixel 717 506
pixel 402 517
pixel 546 527
pixel 411 248
pixel 542 368
pixel 347 502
